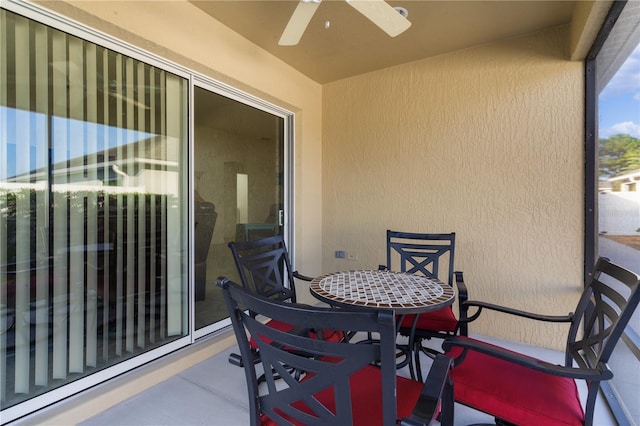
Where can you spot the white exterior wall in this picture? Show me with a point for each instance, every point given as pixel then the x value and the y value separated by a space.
pixel 619 213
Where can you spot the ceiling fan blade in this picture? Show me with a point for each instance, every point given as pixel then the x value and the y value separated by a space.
pixel 298 22
pixel 383 15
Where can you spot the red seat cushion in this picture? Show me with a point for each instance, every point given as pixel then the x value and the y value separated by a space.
pixel 330 335
pixel 366 398
pixel 515 393
pixel 440 320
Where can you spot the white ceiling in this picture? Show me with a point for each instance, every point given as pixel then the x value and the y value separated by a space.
pixel 353 45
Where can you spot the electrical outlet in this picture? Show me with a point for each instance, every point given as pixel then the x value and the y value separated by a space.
pixel 352 256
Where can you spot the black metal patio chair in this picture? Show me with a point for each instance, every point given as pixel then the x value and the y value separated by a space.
pixel 340 385
pixel 518 389
pixel 431 255
pixel 264 267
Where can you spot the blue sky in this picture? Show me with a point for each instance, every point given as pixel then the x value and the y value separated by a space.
pixel 619 102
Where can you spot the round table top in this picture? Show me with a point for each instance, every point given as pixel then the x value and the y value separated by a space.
pixel 402 292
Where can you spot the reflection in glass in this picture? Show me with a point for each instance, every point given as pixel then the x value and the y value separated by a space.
pixel 92 241
pixel 238 194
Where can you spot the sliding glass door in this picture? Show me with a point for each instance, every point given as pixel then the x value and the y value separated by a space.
pixel 93 265
pixel 238 164
pixel 119 193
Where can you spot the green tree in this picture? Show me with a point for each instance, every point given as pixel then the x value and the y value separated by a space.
pixel 619 154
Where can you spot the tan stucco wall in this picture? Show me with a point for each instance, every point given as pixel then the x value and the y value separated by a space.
pixel 486 142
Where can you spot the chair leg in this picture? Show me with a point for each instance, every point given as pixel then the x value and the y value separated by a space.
pixel 501 422
pixel 431 353
pixel 417 349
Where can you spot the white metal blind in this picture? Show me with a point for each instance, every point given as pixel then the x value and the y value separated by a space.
pixel 92 242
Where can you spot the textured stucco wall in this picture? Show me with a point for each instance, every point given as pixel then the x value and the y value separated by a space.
pixel 486 142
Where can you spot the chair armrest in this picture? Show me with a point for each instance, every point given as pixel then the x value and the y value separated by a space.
pixel 299 276
pixel 463 293
pixel 600 372
pixel 436 397
pixel 511 311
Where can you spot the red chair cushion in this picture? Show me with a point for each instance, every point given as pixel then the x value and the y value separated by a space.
pixel 440 320
pixel 366 398
pixel 515 393
pixel 330 335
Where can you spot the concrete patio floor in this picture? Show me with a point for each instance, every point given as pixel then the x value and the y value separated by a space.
pixel 214 393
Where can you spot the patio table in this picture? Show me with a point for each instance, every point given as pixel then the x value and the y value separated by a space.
pixel 380 289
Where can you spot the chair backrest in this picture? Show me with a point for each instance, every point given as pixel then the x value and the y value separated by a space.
pixel 265 268
pixel 604 309
pixel 329 366
pixel 426 254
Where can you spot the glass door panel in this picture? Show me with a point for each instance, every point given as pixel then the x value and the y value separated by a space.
pixel 238 189
pixel 92 207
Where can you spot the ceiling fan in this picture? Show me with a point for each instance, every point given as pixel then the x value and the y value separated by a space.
pixel 377 11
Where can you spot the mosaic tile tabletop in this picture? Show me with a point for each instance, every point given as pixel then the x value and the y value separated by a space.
pixel 402 292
